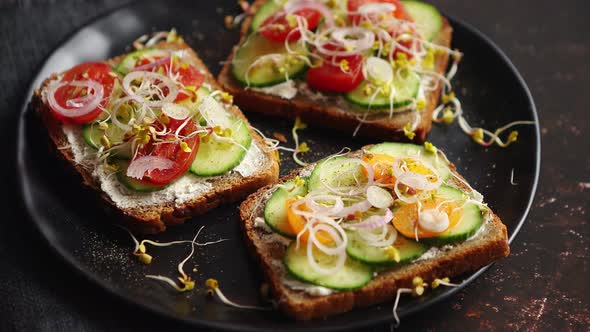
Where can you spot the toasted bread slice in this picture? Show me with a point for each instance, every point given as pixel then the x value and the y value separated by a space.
pixel 154 218
pixel 490 244
pixel 324 112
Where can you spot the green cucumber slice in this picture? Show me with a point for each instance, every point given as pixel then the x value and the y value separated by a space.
pixel 352 275
pixel 264 12
pixel 407 149
pixel 92 135
pixel 217 157
pixel 407 90
pixel 427 18
pixel 266 73
pixel 335 172
pixel 360 250
pixel 130 61
pixel 132 183
pixel 468 225
pixel 275 212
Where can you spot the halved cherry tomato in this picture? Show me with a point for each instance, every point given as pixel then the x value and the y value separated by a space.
pixel 330 76
pixel 405 218
pixel 96 71
pixel 277 27
pixel 172 151
pixel 297 223
pixel 188 75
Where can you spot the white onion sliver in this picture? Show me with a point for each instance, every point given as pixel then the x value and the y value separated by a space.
pixel 175 111
pixel 386 237
pixel 354 39
pixel 375 8
pixel 379 197
pixel 153 64
pixel 80 106
pixel 138 167
pixel 374 221
pixel 312 202
pixel 361 206
pixel 433 220
pixel 378 70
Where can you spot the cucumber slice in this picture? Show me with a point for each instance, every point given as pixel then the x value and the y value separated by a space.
pixel 358 249
pixel 265 11
pixel 92 135
pixel 469 224
pixel 335 172
pixel 130 61
pixel 218 157
pixel 132 183
pixel 407 149
pixel 428 19
pixel 275 212
pixel 406 90
pixel 266 73
pixel 352 275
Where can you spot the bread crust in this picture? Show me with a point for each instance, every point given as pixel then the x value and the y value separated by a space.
pixel 330 116
pixel 228 188
pixel 463 257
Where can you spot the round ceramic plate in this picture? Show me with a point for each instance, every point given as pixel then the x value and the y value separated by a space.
pixel 80 230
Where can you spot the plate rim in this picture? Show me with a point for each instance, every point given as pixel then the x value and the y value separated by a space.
pixel 68 258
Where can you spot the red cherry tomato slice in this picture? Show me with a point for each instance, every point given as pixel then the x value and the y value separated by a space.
pixel 188 75
pixel 172 151
pixel 277 28
pixel 96 71
pixel 331 78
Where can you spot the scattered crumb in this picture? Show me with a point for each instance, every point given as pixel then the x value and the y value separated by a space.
pixel 549 201
pixel 280 137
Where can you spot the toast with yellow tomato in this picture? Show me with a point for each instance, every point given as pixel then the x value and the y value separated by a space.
pixel 356 229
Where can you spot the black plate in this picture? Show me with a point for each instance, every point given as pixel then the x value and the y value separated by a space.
pixel 492 91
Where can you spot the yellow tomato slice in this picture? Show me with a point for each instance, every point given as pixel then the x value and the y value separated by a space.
pixel 405 219
pixel 382 165
pixel 298 222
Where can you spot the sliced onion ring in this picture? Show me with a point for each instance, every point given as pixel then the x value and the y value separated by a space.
pixel 361 206
pixel 293 6
pixel 153 64
pixel 175 111
pixel 138 167
pixel 372 8
pixel 362 40
pixel 379 197
pixel 81 106
pixel 374 221
pixel 153 77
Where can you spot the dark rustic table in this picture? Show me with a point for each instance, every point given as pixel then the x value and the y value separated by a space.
pixel 543 286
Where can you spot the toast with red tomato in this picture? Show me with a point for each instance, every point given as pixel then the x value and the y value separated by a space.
pixel 154 134
pixel 370 67
pixel 358 229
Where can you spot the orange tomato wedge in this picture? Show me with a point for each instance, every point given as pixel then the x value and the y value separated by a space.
pixel 298 222
pixel 405 219
pixel 382 165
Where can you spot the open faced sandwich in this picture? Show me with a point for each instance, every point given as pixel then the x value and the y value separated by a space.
pixel 355 229
pixel 154 134
pixel 371 67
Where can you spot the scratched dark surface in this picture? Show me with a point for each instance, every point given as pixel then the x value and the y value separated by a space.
pixel 542 286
